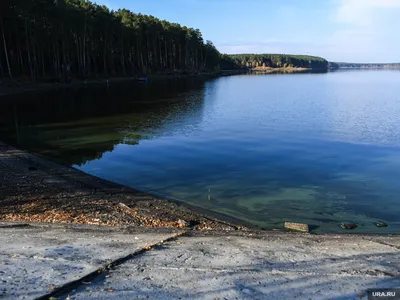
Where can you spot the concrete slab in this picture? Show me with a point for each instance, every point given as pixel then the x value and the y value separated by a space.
pixel 36 259
pixel 267 266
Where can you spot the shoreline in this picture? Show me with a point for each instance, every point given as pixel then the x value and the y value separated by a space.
pixel 366 68
pixel 37 189
pixel 269 69
pixel 286 70
pixel 17 86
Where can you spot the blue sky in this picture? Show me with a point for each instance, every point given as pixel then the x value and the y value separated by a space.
pixel 338 30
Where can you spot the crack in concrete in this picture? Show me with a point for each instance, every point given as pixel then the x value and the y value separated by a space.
pixel 68 287
pixel 15 226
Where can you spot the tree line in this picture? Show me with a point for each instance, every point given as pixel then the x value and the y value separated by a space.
pixel 279 61
pixel 63 38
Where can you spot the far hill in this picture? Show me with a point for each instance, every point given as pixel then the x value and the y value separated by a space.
pixel 344 65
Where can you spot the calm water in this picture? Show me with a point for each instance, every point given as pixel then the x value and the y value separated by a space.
pixel 315 148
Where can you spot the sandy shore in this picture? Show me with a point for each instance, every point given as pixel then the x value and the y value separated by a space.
pixel 283 69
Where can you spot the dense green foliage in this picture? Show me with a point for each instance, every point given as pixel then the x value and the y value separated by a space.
pixel 280 61
pixel 228 63
pixel 63 38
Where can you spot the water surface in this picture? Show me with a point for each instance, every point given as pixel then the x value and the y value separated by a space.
pixel 315 148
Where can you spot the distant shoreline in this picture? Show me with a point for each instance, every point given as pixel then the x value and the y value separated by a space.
pixel 343 65
pixel 374 67
pixel 281 70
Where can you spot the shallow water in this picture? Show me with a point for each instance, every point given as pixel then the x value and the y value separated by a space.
pixel 315 148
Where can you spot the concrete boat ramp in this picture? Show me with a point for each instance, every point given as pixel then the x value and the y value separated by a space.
pixel 60 261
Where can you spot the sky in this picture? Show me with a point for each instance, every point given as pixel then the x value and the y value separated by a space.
pixel 339 30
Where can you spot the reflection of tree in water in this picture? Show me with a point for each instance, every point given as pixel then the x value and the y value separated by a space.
pixel 76 126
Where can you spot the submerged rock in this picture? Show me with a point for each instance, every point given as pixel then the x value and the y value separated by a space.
pixel 348 226
pixel 381 224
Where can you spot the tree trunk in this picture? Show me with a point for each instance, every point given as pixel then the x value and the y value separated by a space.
pixel 64 58
pixel 84 50
pixel 35 64
pixel 43 65
pixel 5 48
pixel 21 60
pixel 28 48
pixel 1 68
pixel 123 57
pixel 78 60
pixel 105 69
pixel 18 51
pixel 166 54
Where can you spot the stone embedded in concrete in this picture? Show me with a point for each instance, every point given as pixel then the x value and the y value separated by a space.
pixel 297 227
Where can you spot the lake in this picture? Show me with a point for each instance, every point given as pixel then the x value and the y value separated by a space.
pixel 320 149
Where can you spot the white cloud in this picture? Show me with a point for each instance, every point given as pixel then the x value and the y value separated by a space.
pixel 362 12
pixel 365 30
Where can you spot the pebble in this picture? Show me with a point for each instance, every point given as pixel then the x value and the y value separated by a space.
pixel 182 223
